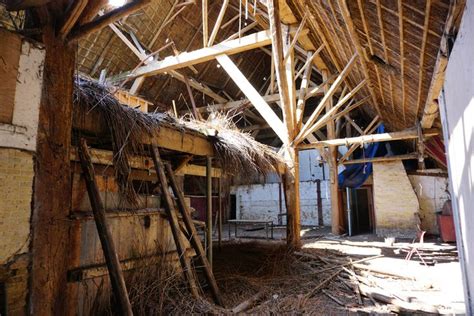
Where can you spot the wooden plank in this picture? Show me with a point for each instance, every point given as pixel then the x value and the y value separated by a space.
pixel 105 158
pixel 195 240
pixel 110 254
pixel 382 159
pixel 252 94
pixel 174 224
pixel 218 23
pixel 186 59
pixel 107 19
pixel 383 137
pixel 71 17
pixel 10 58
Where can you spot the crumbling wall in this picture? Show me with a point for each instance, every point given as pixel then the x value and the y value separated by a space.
pixel 23 65
pixel 395 201
pixel 432 194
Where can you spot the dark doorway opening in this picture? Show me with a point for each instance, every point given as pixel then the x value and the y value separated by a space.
pixel 233 207
pixel 361 206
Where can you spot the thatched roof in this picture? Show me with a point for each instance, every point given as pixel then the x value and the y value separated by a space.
pixel 400 65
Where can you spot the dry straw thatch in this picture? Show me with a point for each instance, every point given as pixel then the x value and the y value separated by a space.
pixel 237 152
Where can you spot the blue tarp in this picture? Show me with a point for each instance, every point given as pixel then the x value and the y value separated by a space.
pixel 355 175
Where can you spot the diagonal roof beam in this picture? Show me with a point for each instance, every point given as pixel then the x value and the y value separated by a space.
pixel 252 94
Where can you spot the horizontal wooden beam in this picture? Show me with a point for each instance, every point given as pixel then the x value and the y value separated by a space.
pixel 374 138
pixel 106 19
pixel 186 59
pixel 235 104
pixel 105 157
pixel 382 159
pixel 166 137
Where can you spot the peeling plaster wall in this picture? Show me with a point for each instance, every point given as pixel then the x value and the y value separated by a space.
pixel 17 150
pixel 21 134
pixel 395 201
pixel 261 202
pixel 431 193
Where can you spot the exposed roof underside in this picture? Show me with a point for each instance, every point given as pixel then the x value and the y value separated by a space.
pixel 400 51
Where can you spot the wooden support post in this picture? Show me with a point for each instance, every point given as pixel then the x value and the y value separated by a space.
pixel 336 219
pixel 52 185
pixel 194 240
pixel 209 208
pixel 174 224
pixel 284 70
pixel 219 231
pixel 108 247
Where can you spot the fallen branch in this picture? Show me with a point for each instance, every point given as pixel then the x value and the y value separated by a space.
pixel 245 305
pixel 333 297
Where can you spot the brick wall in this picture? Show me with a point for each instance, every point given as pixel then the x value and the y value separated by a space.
pixel 16 180
pixel 395 201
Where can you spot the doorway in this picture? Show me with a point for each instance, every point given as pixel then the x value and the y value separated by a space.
pixel 362 214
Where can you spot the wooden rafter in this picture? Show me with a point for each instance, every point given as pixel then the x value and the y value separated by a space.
pixel 421 69
pixel 385 54
pixel 373 138
pixel 373 125
pixel 327 96
pixel 205 23
pixel 252 94
pixel 107 19
pixel 430 111
pixel 280 71
pixel 71 17
pixel 218 23
pixel 402 57
pixel 330 115
pixel 355 39
pixel 371 48
pixel 300 105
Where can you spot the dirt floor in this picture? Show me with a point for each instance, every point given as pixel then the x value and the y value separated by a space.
pixel 334 276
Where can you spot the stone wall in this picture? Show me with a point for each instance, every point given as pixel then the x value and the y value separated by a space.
pixel 395 201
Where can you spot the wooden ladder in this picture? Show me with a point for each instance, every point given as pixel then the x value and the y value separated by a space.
pixel 162 170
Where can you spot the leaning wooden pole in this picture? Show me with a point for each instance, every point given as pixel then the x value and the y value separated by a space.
pixel 194 240
pixel 209 208
pixel 108 247
pixel 174 224
pixel 336 218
